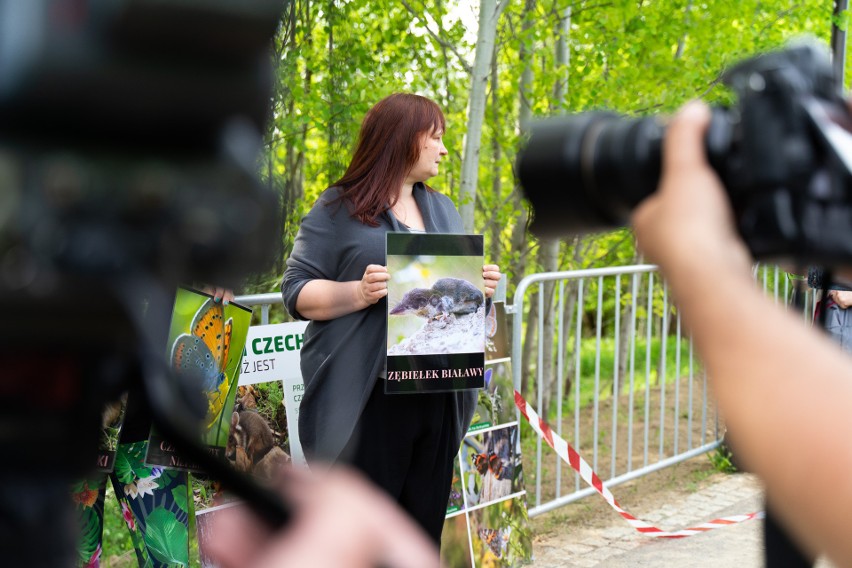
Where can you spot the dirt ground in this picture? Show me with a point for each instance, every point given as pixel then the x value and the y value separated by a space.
pixel 649 492
pixel 639 497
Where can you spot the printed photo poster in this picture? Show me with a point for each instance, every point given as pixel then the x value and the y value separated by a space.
pixel 455 542
pixel 112 419
pixel 495 402
pixel 494 510
pixel 436 313
pixel 493 515
pixel 456 501
pixel 500 534
pixel 491 465
pixel 273 353
pixel 206 342
pixel 496 333
pixel 262 435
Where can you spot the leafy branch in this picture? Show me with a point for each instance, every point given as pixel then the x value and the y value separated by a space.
pixel 443 43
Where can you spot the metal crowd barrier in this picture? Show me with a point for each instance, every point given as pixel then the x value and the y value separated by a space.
pixel 637 403
pixel 643 403
pixel 265 301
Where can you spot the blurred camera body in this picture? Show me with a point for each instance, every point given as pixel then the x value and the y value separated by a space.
pixel 783 153
pixel 129 137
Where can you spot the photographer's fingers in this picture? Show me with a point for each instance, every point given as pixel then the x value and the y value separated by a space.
pixel 373 286
pixel 683 147
pixel 339 519
pixel 238 537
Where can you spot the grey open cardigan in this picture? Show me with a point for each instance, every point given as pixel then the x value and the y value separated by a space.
pixel 342 358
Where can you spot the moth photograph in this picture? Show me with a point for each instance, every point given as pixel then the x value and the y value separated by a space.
pixel 501 534
pixel 436 312
pixel 492 465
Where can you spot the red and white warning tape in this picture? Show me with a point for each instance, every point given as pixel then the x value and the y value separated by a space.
pixel 570 455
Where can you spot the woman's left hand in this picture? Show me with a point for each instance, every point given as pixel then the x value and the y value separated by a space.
pixel 491 274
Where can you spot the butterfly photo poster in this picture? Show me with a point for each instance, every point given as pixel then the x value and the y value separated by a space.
pixel 206 340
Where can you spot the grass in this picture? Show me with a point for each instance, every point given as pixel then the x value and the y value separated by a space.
pixel 117 544
pixel 643 371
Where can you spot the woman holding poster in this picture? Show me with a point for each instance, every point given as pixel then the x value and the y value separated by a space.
pixel 336 277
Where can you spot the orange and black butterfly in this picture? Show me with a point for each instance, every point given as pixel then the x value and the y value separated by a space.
pixel 204 352
pixel 489 462
pixel 495 539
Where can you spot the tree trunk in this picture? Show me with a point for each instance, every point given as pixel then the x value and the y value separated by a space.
pixel 568 315
pixel 489 13
pixel 626 329
pixel 681 42
pixel 496 159
pixel 519 231
pixel 548 255
pixel 549 248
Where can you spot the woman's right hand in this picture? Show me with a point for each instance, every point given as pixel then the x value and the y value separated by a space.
pixel 842 298
pixel 374 284
pixel 323 300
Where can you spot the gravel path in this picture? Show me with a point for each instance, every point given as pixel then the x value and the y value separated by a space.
pixel 620 546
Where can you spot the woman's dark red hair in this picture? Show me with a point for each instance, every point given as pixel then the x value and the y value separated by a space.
pixel 387 150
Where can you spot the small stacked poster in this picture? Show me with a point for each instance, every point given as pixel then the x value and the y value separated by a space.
pixel 487 522
pixel 266 411
pixel 436 313
pixel 112 419
pixel 206 341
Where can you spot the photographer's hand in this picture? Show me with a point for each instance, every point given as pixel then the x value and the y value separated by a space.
pixel 339 520
pixel 783 388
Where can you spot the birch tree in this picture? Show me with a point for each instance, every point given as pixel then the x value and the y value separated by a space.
pixel 489 14
pixel 549 248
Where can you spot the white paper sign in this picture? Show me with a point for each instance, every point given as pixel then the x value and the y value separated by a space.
pixel 272 354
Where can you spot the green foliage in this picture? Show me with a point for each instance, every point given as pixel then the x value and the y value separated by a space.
pixel 116 538
pixel 334 60
pixel 179 494
pixel 722 459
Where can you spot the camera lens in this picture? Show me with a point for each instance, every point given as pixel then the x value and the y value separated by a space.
pixel 587 172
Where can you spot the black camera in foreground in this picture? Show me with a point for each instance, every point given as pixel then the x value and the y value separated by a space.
pixel 783 153
pixel 130 132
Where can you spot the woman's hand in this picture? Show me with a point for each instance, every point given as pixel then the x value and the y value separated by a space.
pixel 374 284
pixel 323 300
pixel 223 295
pixel 491 274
